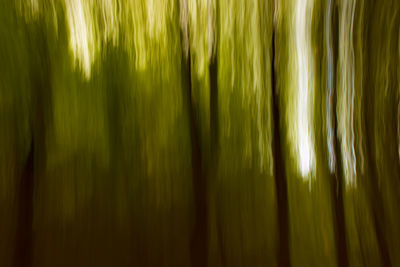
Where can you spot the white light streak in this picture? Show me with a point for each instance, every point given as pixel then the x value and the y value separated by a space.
pixel 305 68
pixel 329 107
pixel 81 35
pixel 345 101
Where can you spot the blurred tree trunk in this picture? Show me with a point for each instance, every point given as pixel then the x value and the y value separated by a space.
pixel 201 170
pixel 375 197
pixel 40 71
pixel 280 172
pixel 200 236
pixel 214 127
pixel 336 177
pixel 23 242
pixel 199 239
pixel 213 72
pixel 199 242
pixel 372 184
pixel 337 186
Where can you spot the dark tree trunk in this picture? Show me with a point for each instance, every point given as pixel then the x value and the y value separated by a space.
pixel 199 239
pixel 40 71
pixel 372 184
pixel 214 131
pixel 375 197
pixel 336 178
pixel 214 123
pixel 23 242
pixel 214 146
pixel 199 242
pixel 280 173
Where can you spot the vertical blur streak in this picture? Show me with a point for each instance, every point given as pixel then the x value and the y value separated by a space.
pixel 305 86
pixel 80 26
pixel 336 176
pixel 23 242
pixel 329 118
pixel 345 102
pixel 183 20
pixel 398 99
pixel 280 174
pixel 359 93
